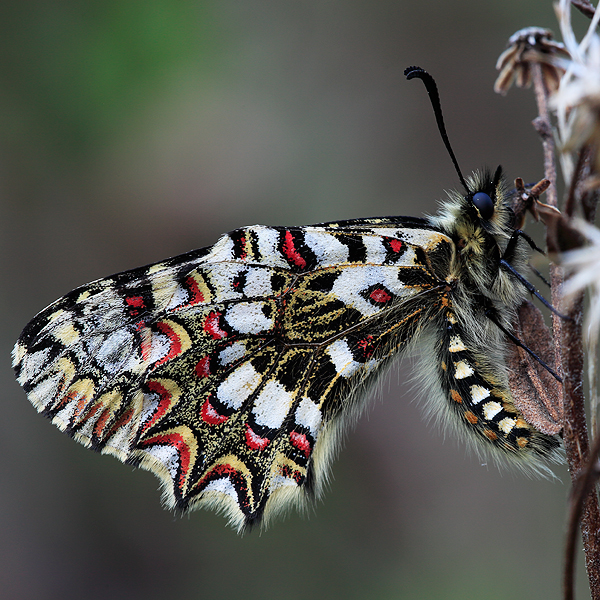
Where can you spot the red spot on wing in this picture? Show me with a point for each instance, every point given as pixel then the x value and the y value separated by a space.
pixel 395 245
pixel 366 345
pixel 211 326
pixel 291 252
pixel 290 473
pixel 203 367
pixel 242 247
pixel 237 479
pixel 174 342
pixel 67 399
pixel 101 422
pixel 254 441
pixel 137 301
pixel 90 413
pixel 301 442
pixel 164 403
pixel 75 397
pixel 220 471
pixel 145 340
pixel 80 405
pixel 146 348
pixel 196 295
pixel 380 295
pixel 210 415
pixel 121 422
pixel 176 441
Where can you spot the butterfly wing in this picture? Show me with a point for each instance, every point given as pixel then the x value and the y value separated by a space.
pixel 230 371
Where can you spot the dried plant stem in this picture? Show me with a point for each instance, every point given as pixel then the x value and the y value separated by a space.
pixel 583 507
pixel 544 128
pixel 568 341
pixel 581 490
pixel 577 448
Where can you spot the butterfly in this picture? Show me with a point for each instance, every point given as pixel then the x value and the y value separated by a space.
pixel 231 372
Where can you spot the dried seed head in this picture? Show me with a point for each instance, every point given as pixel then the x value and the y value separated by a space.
pixel 527 46
pixel 579 98
pixel 577 101
pixel 583 266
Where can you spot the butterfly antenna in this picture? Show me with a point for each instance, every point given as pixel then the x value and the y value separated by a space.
pixel 434 96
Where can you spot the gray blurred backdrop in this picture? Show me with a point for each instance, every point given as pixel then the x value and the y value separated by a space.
pixel 133 131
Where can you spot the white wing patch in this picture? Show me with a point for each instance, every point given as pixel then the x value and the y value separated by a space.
pixel 238 386
pixel 272 405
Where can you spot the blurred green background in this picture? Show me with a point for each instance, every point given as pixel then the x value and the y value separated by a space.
pixel 132 131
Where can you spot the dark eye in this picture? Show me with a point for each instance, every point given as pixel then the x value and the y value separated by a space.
pixel 483 203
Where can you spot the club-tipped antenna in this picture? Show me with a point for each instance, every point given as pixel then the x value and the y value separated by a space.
pixel 434 96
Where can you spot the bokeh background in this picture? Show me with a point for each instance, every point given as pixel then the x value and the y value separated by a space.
pixel 133 131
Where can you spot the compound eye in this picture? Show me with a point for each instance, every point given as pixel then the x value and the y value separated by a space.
pixel 484 205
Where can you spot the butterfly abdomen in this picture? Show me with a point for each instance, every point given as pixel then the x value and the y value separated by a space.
pixel 474 386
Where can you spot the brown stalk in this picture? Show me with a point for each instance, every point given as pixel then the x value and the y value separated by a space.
pixel 582 488
pixel 577 449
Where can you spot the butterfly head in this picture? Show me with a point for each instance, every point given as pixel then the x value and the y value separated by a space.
pixel 478 220
pixel 485 195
